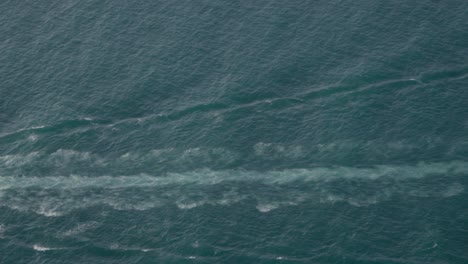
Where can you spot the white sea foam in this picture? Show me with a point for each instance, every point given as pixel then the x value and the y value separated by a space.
pixel 66 156
pixel 33 137
pixel 18 160
pixel 48 212
pixel 59 202
pixel 331 198
pixel 68 160
pixel 36 127
pixel 2 230
pixel 57 196
pixel 183 205
pixel 227 199
pixel 210 177
pixel 115 246
pixel 30 128
pixel 42 248
pixel 80 228
pixel 265 208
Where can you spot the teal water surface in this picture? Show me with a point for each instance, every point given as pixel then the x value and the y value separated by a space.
pixel 234 131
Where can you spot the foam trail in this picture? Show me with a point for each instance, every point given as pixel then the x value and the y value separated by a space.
pixel 210 177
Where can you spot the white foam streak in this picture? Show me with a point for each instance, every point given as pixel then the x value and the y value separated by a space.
pixel 210 177
pixel 42 248
pixel 57 196
pixel 2 230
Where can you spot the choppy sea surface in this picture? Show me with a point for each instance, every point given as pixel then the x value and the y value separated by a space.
pixel 234 131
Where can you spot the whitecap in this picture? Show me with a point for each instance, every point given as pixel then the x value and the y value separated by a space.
pixel 115 246
pixel 42 248
pixel 127 204
pixel 190 205
pixel 265 208
pixel 49 212
pixel 36 127
pixel 66 156
pixel 30 128
pixel 33 137
pixel 331 198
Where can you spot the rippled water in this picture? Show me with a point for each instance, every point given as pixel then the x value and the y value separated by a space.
pixel 233 131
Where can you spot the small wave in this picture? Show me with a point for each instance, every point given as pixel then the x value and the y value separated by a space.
pixel 80 228
pixel 363 202
pixel 118 247
pixel 64 125
pixel 444 75
pixel 272 151
pixel 453 190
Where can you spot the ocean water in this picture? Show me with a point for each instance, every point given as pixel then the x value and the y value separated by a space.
pixel 234 131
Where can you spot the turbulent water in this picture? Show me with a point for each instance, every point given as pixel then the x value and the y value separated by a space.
pixel 234 131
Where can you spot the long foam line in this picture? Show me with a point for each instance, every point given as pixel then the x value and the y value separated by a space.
pixel 209 177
